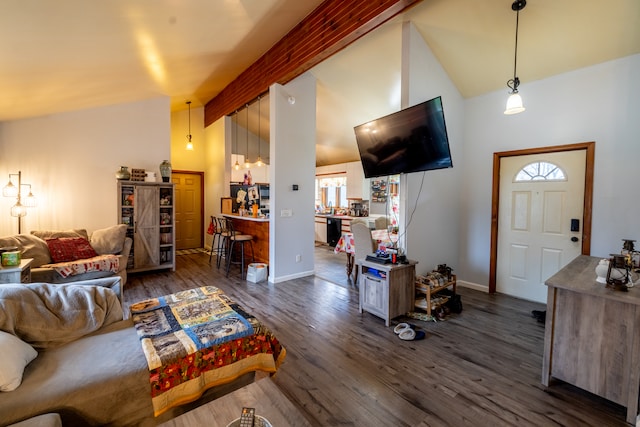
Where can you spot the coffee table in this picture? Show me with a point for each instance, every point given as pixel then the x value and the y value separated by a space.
pixel 262 394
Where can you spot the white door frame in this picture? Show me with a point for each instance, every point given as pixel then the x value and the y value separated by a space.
pixel 495 198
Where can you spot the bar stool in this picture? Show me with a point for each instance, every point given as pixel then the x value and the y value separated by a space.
pixel 241 239
pixel 225 226
pixel 216 234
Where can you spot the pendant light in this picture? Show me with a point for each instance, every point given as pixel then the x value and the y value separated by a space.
pixel 259 161
pixel 189 143
pixel 247 165
pixel 514 103
pixel 235 139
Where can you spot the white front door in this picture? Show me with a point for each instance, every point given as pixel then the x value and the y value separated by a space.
pixel 541 211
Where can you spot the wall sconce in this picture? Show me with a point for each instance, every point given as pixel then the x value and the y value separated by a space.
pixel 189 143
pixel 20 208
pixel 514 102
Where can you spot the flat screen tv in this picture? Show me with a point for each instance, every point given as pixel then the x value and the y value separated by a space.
pixel 411 140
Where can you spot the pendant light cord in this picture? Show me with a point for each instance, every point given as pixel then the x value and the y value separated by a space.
pixel 515 56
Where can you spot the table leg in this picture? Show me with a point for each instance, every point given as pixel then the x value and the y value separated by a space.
pixel 349 264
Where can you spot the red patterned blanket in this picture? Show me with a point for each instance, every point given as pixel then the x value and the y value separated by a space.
pixel 197 339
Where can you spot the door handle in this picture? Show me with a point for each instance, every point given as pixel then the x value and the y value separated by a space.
pixel 574 239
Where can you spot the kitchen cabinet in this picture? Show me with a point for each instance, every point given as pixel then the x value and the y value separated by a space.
pixel 321 229
pixel 357 184
pixel 147 208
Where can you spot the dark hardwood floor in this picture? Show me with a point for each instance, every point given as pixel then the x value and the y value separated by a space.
pixel 478 368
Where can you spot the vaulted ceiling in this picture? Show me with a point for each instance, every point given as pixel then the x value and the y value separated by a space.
pixel 63 56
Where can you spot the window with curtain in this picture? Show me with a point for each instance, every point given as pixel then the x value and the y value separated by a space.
pixel 331 191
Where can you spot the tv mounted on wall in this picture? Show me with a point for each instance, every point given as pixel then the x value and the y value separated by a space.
pixel 411 140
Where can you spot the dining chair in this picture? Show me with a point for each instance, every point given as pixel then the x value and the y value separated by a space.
pixel 381 223
pixel 363 245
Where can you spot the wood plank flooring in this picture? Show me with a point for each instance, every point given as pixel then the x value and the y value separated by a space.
pixel 478 368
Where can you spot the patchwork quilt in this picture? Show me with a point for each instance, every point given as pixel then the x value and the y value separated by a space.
pixel 196 339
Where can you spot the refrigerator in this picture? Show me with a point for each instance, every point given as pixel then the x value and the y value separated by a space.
pixel 248 195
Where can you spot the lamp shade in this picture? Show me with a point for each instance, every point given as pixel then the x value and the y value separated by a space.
pixel 18 210
pixel 514 104
pixel 10 190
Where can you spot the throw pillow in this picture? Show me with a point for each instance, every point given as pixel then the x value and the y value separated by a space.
pixel 54 234
pixel 30 246
pixel 70 249
pixel 16 355
pixel 109 240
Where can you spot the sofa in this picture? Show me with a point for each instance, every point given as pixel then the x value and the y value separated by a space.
pixel 73 255
pixel 75 356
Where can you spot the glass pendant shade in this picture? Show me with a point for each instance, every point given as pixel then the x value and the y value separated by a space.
pixel 30 201
pixel 514 104
pixel 10 190
pixel 18 210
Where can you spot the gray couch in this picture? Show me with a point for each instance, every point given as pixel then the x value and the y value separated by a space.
pixel 101 378
pixel 107 241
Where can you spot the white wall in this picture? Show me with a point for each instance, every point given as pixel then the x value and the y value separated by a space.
pixel 70 159
pixel 181 158
pixel 599 103
pixel 292 152
pixel 430 200
pixel 216 173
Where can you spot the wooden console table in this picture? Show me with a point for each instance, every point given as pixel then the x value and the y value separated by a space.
pixel 592 335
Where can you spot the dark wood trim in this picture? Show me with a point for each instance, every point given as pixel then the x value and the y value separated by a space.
pixel 331 27
pixel 590 148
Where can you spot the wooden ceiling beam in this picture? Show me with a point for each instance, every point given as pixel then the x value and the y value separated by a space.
pixel 332 26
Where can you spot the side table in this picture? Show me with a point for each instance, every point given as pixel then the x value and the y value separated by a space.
pixel 17 274
pixel 263 395
pixel 387 290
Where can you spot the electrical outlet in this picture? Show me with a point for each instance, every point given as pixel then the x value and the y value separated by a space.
pixel 298 258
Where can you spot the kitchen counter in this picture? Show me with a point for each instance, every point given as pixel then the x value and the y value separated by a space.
pixel 256 227
pixel 246 217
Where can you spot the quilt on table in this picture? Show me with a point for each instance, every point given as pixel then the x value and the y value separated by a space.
pixel 80 266
pixel 196 339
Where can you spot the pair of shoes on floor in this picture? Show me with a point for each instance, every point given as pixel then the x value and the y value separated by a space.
pixel 407 332
pixel 540 316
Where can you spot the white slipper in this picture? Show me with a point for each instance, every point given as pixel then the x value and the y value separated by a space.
pixel 407 334
pixel 401 327
pixel 411 334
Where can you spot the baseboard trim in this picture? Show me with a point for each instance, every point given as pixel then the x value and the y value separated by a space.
pixel 475 286
pixel 290 277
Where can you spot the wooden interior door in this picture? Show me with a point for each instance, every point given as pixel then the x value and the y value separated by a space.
pixel 189 213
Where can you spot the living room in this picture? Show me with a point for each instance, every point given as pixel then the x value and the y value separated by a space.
pixel 58 157
pixel 70 158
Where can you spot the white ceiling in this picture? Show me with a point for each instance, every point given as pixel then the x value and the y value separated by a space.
pixel 75 54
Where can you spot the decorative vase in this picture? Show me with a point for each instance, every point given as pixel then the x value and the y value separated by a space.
pixel 165 170
pixel 123 173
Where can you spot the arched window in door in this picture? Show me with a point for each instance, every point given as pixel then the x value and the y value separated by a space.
pixel 541 171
